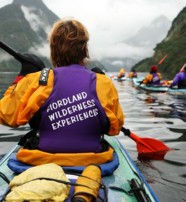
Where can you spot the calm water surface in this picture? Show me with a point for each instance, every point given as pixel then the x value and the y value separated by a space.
pixel 156 115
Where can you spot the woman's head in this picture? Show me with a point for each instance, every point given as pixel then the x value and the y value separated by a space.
pixel 68 42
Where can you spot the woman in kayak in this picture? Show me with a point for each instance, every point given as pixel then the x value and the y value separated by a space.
pixel 153 78
pixel 133 74
pixel 76 106
pixel 180 78
pixel 121 73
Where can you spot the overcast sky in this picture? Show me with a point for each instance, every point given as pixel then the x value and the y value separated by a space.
pixel 111 21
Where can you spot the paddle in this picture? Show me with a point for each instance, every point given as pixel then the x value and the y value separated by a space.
pixel 28 60
pixel 162 59
pixel 148 148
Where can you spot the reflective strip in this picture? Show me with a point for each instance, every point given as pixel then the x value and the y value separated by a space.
pixel 44 77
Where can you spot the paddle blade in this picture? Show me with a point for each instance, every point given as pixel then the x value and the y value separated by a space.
pixel 150 148
pixel 161 61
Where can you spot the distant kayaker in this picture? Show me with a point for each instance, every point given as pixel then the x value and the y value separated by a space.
pixel 121 73
pixel 133 74
pixel 153 78
pixel 180 78
pixel 76 106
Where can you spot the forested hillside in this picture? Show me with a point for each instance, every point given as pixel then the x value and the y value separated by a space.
pixel 173 46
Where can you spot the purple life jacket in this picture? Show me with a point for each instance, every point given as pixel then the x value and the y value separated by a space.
pixel 134 74
pixel 180 80
pixel 155 79
pixel 182 83
pixel 72 117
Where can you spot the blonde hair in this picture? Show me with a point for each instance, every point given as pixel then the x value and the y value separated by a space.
pixel 68 42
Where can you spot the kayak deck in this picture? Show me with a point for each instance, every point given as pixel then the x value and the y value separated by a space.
pixel 5 170
pixel 126 171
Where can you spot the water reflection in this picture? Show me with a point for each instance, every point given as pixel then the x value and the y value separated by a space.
pixel 160 116
pixel 163 105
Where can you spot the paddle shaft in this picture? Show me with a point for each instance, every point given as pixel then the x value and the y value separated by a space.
pixel 8 154
pixel 30 62
pixel 11 51
pixel 162 59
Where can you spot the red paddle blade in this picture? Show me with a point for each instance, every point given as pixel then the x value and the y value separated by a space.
pixel 150 148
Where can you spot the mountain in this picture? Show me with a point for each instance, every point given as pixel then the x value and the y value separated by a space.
pixel 114 64
pixel 25 30
pixel 149 36
pixel 173 45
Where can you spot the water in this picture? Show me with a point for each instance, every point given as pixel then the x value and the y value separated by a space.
pixel 157 115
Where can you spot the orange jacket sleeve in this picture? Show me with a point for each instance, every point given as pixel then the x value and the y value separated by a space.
pixel 160 76
pixel 148 79
pixel 21 101
pixel 108 97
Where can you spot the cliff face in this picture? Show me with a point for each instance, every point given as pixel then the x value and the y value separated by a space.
pixel 24 26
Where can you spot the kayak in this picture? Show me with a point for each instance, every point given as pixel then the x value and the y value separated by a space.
pixel 136 81
pixel 125 184
pixel 120 79
pixel 177 91
pixel 150 88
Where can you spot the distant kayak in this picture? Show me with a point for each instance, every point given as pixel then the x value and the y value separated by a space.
pixel 177 91
pixel 151 88
pixel 120 79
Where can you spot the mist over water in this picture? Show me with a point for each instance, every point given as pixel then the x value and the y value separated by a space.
pixel 156 115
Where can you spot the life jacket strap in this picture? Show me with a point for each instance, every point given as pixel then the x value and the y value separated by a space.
pixel 43 80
